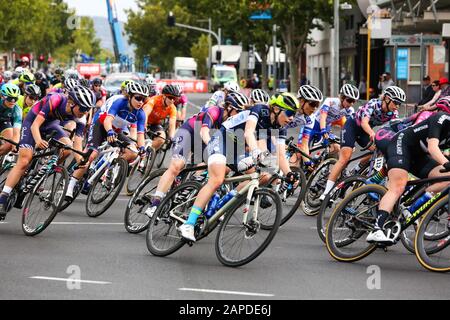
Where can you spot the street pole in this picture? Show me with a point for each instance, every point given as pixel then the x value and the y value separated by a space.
pixel 274 66
pixel 209 49
pixel 421 66
pixel 335 50
pixel 220 41
pixel 369 18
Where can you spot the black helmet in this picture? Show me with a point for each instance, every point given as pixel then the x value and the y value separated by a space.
pixel 59 71
pixel 97 81
pixel 39 75
pixel 84 82
pixel 171 90
pixel 33 90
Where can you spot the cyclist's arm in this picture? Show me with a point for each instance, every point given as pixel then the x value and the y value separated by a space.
pixel 366 127
pixel 173 123
pixel 107 124
pixel 249 135
pixel 435 151
pixel 284 163
pixel 16 134
pixel 323 120
pixel 37 123
pixel 17 124
pixel 140 129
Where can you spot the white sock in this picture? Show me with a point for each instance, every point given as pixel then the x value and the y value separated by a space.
pixel 329 186
pixel 7 189
pixel 357 167
pixel 159 194
pixel 73 181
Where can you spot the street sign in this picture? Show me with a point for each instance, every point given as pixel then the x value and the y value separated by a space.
pixel 261 15
pixel 414 40
pixel 402 64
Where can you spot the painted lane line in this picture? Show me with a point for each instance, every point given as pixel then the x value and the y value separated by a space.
pixel 194 105
pixel 228 292
pixel 87 223
pixel 71 280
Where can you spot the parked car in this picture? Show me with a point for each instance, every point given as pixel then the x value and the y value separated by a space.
pixel 114 80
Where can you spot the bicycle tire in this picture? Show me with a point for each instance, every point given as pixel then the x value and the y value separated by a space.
pixel 310 206
pixel 129 223
pixel 135 177
pixel 237 262
pixel 76 190
pixel 299 199
pixel 150 161
pixel 427 255
pixel 161 156
pixel 164 208
pixel 122 175
pixel 324 213
pixel 39 192
pixel 335 249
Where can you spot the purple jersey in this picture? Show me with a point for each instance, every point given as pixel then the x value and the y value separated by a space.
pixel 372 110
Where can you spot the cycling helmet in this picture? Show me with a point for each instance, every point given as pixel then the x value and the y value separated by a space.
pixel 137 88
pixel 310 93
pixel 39 75
pixel 27 77
pixel 150 81
pixel 396 94
pixel 33 90
pixel 71 73
pixel 286 101
pixel 59 72
pixel 443 104
pixel 19 70
pixel 7 75
pixel 231 86
pixel 171 90
pixel 180 88
pixel 84 82
pixel 70 83
pixel 124 84
pixel 10 90
pixel 350 91
pixel 25 59
pixel 83 97
pixel 97 81
pixel 260 96
pixel 237 100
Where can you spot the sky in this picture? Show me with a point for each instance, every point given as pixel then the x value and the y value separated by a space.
pixel 98 7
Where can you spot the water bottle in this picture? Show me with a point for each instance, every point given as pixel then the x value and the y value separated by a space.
pixel 225 199
pixel 419 202
pixel 212 206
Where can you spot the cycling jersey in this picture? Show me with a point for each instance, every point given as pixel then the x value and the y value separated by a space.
pixel 99 94
pixel 409 148
pixel 159 111
pixel 217 99
pixel 10 117
pixel 373 110
pixel 182 102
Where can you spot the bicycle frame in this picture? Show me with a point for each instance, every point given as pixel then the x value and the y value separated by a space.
pixel 110 155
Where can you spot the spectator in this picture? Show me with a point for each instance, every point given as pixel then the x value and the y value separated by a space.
pixel 362 88
pixel 255 81
pixel 427 92
pixel 303 80
pixel 445 88
pixel 243 83
pixel 372 94
pixel 385 81
pixel 437 92
pixel 270 83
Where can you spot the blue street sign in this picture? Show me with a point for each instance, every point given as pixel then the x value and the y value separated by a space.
pixel 402 64
pixel 261 15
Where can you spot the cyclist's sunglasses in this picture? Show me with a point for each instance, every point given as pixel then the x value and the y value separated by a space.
pixel 350 100
pixel 289 113
pixel 33 97
pixel 10 99
pixel 313 104
pixel 139 98
pixel 173 98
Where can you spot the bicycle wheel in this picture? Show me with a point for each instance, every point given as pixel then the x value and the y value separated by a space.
pixel 433 238
pixel 137 175
pixel 76 190
pixel 161 156
pixel 337 193
pixel 290 198
pixel 162 234
pixel 238 242
pixel 351 221
pixel 44 201
pixel 151 156
pixel 106 188
pixel 316 186
pixel 135 218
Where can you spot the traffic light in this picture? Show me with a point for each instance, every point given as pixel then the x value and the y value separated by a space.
pixel 171 19
pixel 41 58
pixel 219 56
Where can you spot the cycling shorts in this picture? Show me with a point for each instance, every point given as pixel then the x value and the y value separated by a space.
pixel 98 135
pixel 27 140
pixel 352 133
pixel 184 145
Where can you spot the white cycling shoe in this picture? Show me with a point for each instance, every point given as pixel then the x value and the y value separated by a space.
pixel 378 236
pixel 187 232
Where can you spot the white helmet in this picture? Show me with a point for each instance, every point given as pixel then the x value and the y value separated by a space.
pixel 20 70
pixel 137 88
pixel 350 91
pixel 395 93
pixel 72 73
pixel 260 96
pixel 237 100
pixel 310 93
pixel 70 83
pixel 180 88
pixel 150 80
pixel 231 86
pixel 7 75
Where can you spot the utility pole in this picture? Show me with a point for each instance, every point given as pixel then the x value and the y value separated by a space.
pixel 274 65
pixel 334 75
pixel 369 27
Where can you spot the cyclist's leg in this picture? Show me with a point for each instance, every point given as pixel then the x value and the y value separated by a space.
pixel 6 132
pixel 158 142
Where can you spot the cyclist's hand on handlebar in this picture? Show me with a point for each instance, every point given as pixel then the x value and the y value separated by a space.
pixel 257 155
pixel 42 144
pixel 142 151
pixel 446 167
pixel 325 142
pixel 112 136
pixel 372 136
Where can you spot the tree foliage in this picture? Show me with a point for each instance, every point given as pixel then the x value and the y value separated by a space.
pixel 200 52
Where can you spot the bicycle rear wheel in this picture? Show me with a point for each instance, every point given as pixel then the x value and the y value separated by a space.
pixel 351 221
pixel 135 218
pixel 433 238
pixel 106 188
pixel 162 234
pixel 239 242
pixel 44 201
pixel 137 175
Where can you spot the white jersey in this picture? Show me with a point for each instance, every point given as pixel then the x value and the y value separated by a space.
pixel 335 112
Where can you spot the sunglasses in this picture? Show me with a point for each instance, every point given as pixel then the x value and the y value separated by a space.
pixel 313 104
pixel 32 97
pixel 139 98
pixel 396 102
pixel 350 100
pixel 10 99
pixel 289 113
pixel 171 98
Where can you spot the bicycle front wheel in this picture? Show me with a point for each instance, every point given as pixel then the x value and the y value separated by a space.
pixel 239 242
pixel 44 201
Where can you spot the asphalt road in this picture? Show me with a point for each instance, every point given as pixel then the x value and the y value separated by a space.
pixel 113 264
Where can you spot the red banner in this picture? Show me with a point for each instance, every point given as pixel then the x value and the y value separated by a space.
pixel 92 69
pixel 189 86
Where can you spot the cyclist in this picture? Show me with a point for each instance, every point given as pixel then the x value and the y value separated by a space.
pixel 258 96
pixel 42 82
pixel 43 118
pixel 360 129
pixel 85 83
pixel 100 93
pixel 10 116
pixel 7 76
pixel 25 102
pixel 181 105
pixel 68 84
pixel 198 126
pixel 151 83
pixel 219 96
pixel 123 88
pixel 334 111
pixel 58 78
pixel 24 79
pixel 415 150
pixel 160 107
pixel 124 113
pixel 260 120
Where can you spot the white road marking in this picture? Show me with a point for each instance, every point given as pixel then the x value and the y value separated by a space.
pixel 228 292
pixel 71 280
pixel 5 222
pixel 87 223
pixel 194 105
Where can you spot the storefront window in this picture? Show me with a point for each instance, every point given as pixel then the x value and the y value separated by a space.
pixel 415 65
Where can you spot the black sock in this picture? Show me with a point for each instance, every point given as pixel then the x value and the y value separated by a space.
pixel 382 216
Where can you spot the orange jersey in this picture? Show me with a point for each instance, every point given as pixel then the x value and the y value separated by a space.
pixel 158 110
